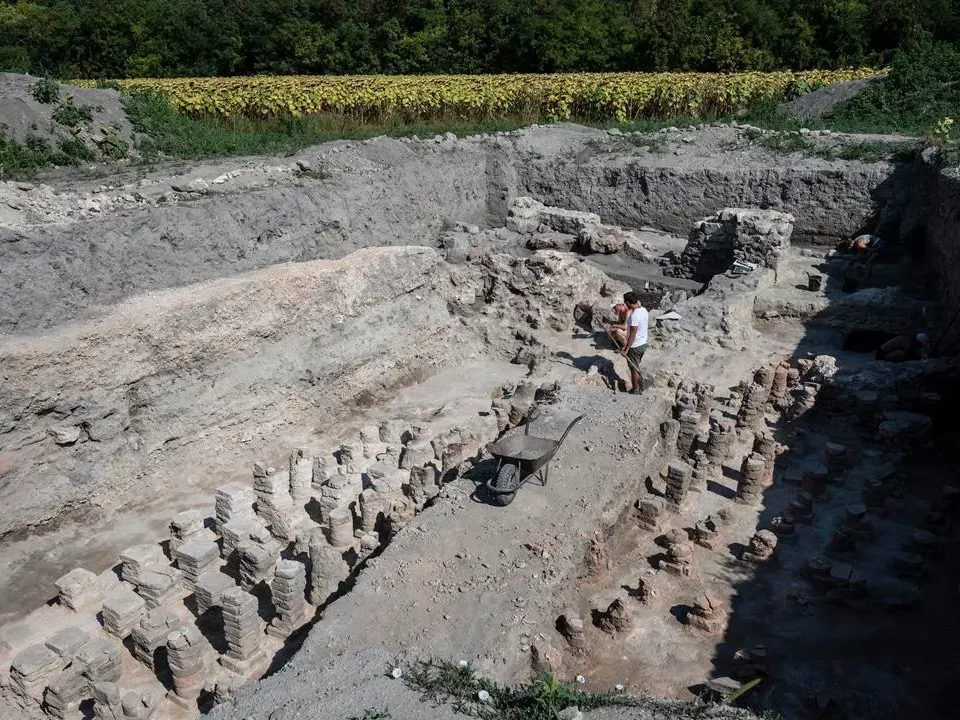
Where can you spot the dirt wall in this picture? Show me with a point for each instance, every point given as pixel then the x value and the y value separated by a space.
pixel 369 195
pixel 82 247
pixel 165 389
pixel 829 203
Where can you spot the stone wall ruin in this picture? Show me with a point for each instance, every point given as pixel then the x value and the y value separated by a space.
pixel 759 237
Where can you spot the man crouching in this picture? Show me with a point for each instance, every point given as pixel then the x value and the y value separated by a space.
pixel 631 333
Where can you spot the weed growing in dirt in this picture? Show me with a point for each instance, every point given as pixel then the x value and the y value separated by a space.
pixel 655 144
pixel 314 174
pixel 23 160
pixel 46 91
pixel 73 151
pixel 373 715
pixel 786 143
pixel 444 683
pixel 876 151
pixel 70 115
pixel 441 682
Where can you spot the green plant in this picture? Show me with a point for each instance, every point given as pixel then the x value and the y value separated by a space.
pixel 74 151
pixel 112 146
pixel 314 173
pixel 46 91
pixel 921 89
pixel 941 130
pixel 876 151
pixel 374 715
pixel 443 682
pixel 70 115
pixel 23 160
pixel 655 144
pixel 174 135
pixel 786 143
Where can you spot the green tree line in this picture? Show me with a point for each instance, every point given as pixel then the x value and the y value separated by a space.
pixel 147 38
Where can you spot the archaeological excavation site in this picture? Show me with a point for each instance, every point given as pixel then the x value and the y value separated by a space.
pixel 276 431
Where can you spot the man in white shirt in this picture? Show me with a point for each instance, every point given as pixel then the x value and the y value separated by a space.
pixel 635 344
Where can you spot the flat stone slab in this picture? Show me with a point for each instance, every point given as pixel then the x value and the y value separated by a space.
pixel 34 661
pixel 68 641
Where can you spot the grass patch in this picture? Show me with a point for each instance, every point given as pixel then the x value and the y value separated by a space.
pixel 922 88
pixel 448 684
pixel 179 136
pixel 374 715
pixel 70 115
pixel 655 144
pixel 174 135
pixel 443 683
pixel 792 142
pixel 878 151
pixel 783 143
pixel 22 160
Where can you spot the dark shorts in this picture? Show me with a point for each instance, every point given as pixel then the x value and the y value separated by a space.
pixel 635 355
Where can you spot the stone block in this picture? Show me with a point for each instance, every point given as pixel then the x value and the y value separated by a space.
pixel 79 590
pixel 394 431
pixel 67 642
pixel 138 559
pixel 122 610
pixel 159 585
pixel 100 660
pixel 232 501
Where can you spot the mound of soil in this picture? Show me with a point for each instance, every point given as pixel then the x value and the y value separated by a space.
pixel 820 102
pixel 94 117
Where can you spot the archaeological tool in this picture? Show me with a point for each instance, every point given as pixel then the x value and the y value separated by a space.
pixel 519 458
pixel 617 345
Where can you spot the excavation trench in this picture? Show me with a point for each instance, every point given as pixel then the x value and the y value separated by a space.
pixel 375 379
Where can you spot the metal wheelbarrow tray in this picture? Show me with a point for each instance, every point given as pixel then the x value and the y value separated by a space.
pixel 521 457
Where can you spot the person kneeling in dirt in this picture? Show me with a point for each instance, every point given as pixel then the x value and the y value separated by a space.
pixel 617 332
pixel 631 333
pixel 868 248
pixel 904 347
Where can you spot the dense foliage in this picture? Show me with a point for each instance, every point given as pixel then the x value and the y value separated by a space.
pixel 485 98
pixel 155 38
pixel 920 95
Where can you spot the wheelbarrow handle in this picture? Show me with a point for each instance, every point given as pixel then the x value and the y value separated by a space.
pixel 567 431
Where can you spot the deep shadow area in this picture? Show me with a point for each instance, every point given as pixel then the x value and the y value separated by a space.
pixel 680 612
pixel 846 605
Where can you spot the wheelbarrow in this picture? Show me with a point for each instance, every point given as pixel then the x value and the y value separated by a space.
pixel 520 458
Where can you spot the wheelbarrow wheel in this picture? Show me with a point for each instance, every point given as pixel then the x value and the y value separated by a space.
pixel 507 484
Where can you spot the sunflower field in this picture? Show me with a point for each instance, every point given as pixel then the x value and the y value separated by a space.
pixel 482 98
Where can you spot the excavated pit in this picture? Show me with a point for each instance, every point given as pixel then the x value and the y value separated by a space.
pixel 316 432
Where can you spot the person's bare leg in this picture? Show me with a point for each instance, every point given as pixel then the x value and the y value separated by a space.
pixel 634 380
